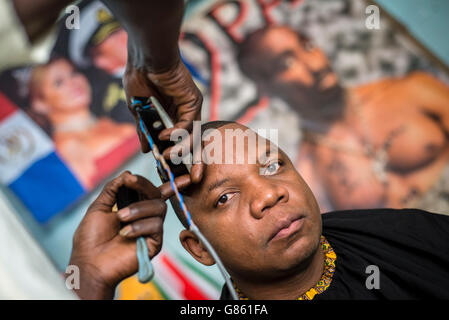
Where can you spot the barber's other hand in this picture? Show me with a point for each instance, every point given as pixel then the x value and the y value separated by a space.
pixel 104 245
pixel 176 91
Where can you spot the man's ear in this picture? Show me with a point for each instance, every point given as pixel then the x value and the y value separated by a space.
pixel 193 245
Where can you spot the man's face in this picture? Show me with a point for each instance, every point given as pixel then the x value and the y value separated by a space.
pixel 302 73
pixel 261 218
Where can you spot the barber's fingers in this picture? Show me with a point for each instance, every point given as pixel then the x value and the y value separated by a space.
pixel 185 146
pixel 186 100
pixel 143 209
pixel 107 197
pixel 187 113
pixel 137 84
pixel 143 186
pixel 148 227
pixel 197 172
pixel 153 207
pixel 181 182
pixel 144 143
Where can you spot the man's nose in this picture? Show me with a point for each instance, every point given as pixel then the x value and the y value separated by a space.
pixel 265 197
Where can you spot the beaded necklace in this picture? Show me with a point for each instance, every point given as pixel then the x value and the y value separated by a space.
pixel 326 278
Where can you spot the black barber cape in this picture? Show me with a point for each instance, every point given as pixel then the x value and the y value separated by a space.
pixel 409 247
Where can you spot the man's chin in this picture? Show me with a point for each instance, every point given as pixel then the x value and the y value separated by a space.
pixel 295 255
pixel 292 247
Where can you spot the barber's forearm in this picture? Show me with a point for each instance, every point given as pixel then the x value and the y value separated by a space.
pixel 153 28
pixel 38 16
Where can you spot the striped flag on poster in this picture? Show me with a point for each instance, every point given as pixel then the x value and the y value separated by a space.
pixel 175 279
pixel 30 166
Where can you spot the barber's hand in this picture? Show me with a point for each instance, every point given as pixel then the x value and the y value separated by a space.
pixel 104 245
pixel 178 94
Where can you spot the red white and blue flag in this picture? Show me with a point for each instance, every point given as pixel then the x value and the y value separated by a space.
pixel 30 166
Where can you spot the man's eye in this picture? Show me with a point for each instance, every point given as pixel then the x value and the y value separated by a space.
pixel 272 168
pixel 224 198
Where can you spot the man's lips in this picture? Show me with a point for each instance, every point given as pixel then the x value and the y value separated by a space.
pixel 286 227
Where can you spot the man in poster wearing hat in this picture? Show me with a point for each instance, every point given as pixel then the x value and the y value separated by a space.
pixel 101 42
pixel 99 50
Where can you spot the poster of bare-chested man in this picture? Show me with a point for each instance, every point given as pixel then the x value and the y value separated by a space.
pixel 362 111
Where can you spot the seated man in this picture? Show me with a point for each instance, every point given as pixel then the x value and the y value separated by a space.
pixel 265 224
pixel 268 231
